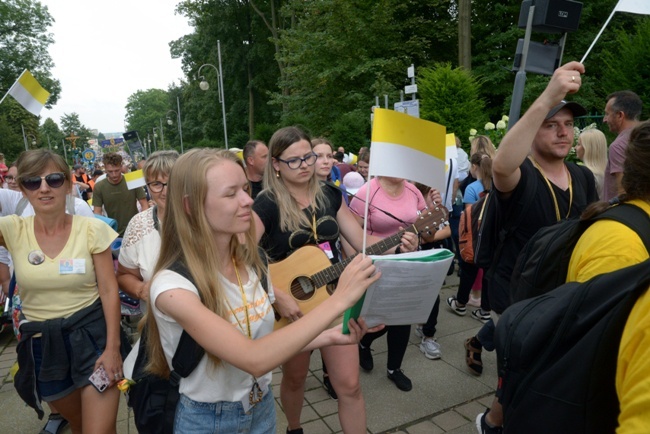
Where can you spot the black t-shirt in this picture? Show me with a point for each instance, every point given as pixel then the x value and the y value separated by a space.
pixel 279 244
pixel 529 208
pixel 256 187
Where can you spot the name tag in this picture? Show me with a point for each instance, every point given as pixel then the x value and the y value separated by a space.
pixel 327 248
pixel 72 266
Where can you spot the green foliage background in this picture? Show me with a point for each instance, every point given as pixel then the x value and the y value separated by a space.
pixel 321 63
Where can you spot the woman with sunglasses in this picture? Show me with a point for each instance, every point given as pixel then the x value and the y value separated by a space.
pixel 292 211
pixel 141 242
pixel 64 267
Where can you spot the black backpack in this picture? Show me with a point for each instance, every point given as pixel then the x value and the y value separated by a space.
pixel 557 354
pixel 153 398
pixel 543 263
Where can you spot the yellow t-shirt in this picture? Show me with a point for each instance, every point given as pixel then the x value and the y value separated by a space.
pixel 608 246
pixel 59 286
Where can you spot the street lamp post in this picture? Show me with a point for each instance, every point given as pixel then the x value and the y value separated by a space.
pixel 162 134
pixel 204 85
pixel 178 121
pixel 155 146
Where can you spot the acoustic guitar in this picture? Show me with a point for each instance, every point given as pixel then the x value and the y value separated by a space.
pixel 306 273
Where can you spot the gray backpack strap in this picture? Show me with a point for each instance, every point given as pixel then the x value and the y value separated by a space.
pixel 69 204
pixel 22 204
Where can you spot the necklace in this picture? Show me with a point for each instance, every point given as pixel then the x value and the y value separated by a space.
pixel 256 394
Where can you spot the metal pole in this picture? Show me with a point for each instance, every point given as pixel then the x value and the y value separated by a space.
pixel 413 80
pixel 49 145
pixel 65 153
pixel 155 146
pixel 520 78
pixel 180 128
pixel 162 135
pixel 24 136
pixel 221 95
pixel 386 102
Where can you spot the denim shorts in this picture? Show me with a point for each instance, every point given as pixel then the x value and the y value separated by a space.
pixel 193 417
pixel 51 390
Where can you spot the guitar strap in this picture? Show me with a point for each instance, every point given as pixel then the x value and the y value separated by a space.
pixel 369 203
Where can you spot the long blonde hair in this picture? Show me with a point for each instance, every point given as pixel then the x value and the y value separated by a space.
pixel 186 235
pixel 292 216
pixel 594 143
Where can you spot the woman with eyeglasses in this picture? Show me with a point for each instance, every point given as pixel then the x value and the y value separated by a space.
pixel 10 178
pixel 70 302
pixel 141 242
pixel 295 210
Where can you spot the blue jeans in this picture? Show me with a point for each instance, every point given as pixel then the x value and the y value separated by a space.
pixel 193 417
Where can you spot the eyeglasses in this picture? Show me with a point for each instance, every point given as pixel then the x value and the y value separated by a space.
pixel 156 186
pixel 54 180
pixel 295 163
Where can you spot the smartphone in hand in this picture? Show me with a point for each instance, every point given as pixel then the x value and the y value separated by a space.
pixel 100 379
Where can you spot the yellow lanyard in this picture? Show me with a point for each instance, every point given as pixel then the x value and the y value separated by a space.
pixel 244 300
pixel 313 226
pixel 550 187
pixel 256 394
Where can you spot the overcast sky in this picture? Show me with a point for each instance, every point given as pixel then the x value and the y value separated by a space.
pixel 106 50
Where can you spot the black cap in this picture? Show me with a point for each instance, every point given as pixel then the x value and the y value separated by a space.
pixel 575 108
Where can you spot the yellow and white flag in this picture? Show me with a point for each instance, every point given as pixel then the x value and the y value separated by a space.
pixel 29 93
pixel 407 147
pixel 134 179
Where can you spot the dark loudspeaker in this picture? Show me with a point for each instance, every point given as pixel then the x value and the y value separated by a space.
pixel 552 16
pixel 130 135
pixel 542 58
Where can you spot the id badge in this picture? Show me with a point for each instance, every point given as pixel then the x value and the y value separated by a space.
pixel 72 266
pixel 264 387
pixel 327 248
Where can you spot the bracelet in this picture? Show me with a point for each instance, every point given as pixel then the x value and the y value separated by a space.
pixel 398 250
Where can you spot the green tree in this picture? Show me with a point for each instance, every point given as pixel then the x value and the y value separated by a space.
pixel 24 43
pixel 450 97
pixel 144 111
pixel 626 66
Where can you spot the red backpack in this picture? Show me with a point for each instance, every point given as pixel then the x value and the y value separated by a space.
pixel 470 224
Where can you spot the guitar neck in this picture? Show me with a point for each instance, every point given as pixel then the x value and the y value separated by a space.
pixel 329 274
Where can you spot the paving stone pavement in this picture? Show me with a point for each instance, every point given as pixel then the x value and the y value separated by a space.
pixel 445 398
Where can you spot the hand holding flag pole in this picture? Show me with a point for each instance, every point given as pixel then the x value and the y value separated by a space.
pixel 641 7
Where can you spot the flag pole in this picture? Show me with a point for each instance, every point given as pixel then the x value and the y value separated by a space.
pixel 10 89
pixel 598 36
pixel 24 136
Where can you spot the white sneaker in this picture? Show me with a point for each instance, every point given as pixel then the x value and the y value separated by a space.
pixel 430 348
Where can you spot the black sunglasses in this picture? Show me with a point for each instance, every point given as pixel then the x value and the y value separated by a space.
pixel 54 180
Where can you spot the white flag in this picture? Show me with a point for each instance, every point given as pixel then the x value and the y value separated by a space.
pixel 633 6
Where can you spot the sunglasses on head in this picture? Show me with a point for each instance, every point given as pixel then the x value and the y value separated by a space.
pixel 54 180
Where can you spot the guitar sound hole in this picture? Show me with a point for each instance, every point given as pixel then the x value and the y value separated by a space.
pixel 302 288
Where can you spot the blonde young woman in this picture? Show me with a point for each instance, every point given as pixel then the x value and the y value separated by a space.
pixel 295 210
pixel 208 230
pixel 483 145
pixel 592 150
pixel 64 267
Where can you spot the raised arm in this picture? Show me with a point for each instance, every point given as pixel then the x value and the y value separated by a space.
pixel 516 144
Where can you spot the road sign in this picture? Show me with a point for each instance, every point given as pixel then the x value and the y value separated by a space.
pixel 410 107
pixel 411 88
